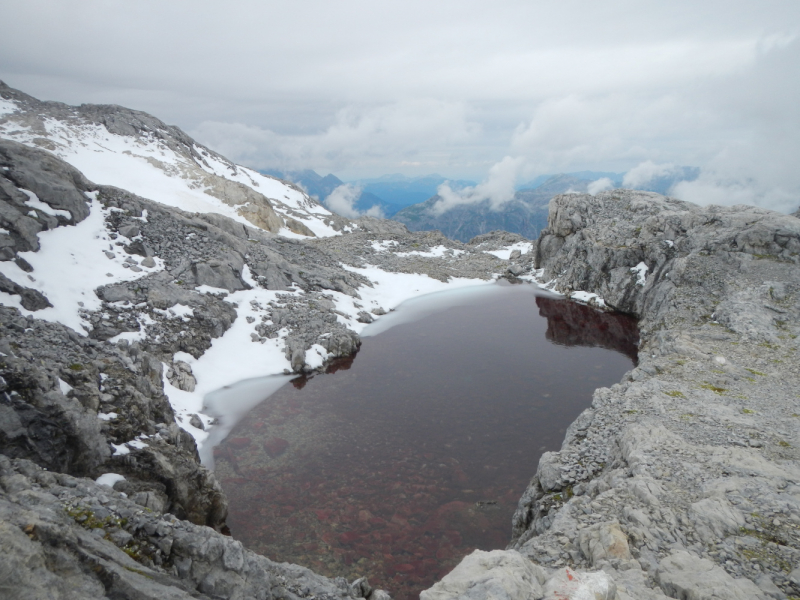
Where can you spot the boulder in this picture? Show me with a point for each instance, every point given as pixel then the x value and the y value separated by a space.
pixel 495 575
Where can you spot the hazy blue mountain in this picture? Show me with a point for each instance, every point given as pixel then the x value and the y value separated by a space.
pixel 525 214
pixel 404 191
pixel 390 192
pixel 314 183
pixel 589 175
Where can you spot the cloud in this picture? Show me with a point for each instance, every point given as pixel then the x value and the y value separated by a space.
pixel 410 131
pixel 498 188
pixel 450 87
pixel 645 172
pixel 342 201
pixel 601 185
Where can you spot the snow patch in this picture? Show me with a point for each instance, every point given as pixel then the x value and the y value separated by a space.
pixel 316 356
pixel 34 202
pixel 505 252
pixel 640 271
pixel 435 252
pixel 109 479
pixel 64 386
pixel 383 246
pixel 7 107
pixel 107 416
pixel 588 298
pixel 70 264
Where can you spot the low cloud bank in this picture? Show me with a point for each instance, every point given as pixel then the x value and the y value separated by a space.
pixel 342 201
pixel 601 185
pixel 498 188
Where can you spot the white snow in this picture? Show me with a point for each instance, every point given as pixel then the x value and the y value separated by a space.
pixel 383 246
pixel 68 267
pixel 505 253
pixel 389 291
pixel 179 311
pixel 150 168
pixel 120 449
pixel 435 252
pixel 641 273
pixel 7 107
pixel 316 356
pixel 587 298
pixel 109 479
pixel 232 358
pixel 669 243
pixel 34 202
pixel 107 416
pixel 64 386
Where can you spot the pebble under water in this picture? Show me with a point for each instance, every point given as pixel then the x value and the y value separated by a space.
pixel 405 458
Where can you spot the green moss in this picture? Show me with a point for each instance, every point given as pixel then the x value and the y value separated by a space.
pixel 675 394
pixel 784 444
pixel 76 367
pixel 688 416
pixel 747 411
pixel 714 388
pixel 754 372
pixel 631 412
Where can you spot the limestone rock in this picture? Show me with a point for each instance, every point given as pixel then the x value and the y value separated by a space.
pixel 568 584
pixel 684 575
pixel 495 575
pixel 180 375
pixel 603 542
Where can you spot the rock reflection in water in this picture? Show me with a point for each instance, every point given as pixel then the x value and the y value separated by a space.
pixel 416 452
pixel 573 324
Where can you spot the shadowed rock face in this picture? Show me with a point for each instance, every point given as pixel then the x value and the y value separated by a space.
pixel 572 324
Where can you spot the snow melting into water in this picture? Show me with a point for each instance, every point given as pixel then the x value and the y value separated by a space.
pixel 236 373
pixel 505 253
pixel 588 298
pixel 70 264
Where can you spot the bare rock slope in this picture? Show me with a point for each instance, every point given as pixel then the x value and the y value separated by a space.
pixel 683 480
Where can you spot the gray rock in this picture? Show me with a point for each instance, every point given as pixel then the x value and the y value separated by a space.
pixel 683 575
pixel 496 575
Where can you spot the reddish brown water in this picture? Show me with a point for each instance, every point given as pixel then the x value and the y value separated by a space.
pixel 415 453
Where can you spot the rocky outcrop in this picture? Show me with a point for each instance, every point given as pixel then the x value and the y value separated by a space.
pixel 680 481
pixel 66 537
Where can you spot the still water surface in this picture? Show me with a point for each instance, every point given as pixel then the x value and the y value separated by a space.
pixel 412 454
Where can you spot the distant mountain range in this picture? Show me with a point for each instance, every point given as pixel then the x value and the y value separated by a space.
pixel 525 214
pixel 390 192
pixel 410 200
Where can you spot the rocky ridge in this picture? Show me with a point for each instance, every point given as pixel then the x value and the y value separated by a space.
pixel 682 481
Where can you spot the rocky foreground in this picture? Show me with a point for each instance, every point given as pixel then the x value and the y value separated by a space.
pixel 683 480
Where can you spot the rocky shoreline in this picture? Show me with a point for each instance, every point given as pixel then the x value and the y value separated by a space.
pixel 681 481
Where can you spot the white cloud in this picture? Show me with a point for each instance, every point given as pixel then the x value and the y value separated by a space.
pixel 601 185
pixel 450 87
pixel 342 201
pixel 407 131
pixel 498 188
pixel 645 172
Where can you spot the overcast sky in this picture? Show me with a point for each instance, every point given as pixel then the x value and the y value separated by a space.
pixel 462 88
